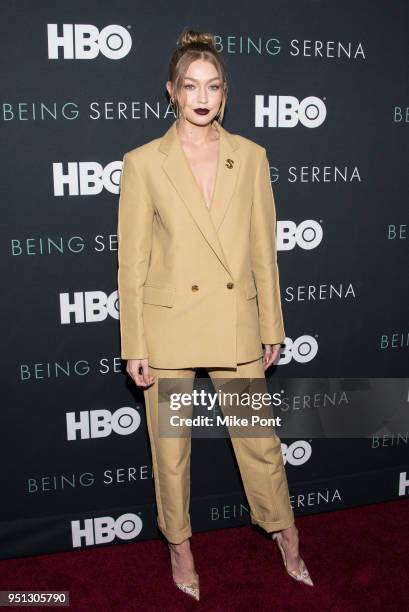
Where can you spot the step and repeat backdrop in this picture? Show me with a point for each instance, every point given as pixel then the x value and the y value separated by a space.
pixel 324 87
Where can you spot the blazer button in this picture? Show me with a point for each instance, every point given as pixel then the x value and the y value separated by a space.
pixel 230 285
pixel 195 287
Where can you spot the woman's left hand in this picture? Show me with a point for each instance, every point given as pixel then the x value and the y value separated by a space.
pixel 271 352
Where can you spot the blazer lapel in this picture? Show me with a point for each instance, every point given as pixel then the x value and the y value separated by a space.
pixel 227 173
pixel 180 174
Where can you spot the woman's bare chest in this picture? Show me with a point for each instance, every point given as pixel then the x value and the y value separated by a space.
pixel 203 163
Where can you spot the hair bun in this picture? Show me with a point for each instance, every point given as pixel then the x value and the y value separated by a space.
pixel 189 36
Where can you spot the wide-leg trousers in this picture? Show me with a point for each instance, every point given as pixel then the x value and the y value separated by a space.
pixel 259 459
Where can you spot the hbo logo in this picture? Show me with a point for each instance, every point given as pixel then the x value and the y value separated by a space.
pixel 88 307
pixel 302 350
pixel 105 529
pixel 101 423
pixel 86 178
pixel 85 41
pixel 307 235
pixel 297 453
pixel 287 111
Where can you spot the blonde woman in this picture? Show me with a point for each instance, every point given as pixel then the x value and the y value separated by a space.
pixel 199 287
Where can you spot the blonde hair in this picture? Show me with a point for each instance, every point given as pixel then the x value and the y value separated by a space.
pixel 191 46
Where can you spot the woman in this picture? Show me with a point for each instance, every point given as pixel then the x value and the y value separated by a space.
pixel 198 287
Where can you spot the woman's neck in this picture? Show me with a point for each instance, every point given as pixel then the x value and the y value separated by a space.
pixel 198 135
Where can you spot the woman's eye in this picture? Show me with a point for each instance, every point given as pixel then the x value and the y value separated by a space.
pixel 215 87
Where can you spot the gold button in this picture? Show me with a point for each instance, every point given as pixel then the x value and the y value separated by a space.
pixel 195 287
pixel 230 285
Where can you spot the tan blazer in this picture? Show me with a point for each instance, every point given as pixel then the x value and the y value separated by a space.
pixel 197 287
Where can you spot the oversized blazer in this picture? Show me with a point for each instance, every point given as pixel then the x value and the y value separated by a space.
pixel 197 287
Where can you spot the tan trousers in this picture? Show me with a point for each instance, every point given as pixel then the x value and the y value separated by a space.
pixel 259 459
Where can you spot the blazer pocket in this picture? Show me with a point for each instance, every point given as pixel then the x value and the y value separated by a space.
pixel 161 296
pixel 251 289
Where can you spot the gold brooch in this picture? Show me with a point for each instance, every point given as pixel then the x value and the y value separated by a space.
pixel 229 163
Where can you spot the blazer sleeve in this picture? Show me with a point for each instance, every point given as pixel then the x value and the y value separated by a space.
pixel 264 255
pixel 135 222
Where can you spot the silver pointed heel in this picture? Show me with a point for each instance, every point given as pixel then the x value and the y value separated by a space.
pixel 303 574
pixel 190 588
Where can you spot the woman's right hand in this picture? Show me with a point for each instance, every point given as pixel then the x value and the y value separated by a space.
pixel 133 368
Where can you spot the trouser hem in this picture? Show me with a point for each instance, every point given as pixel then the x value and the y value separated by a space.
pixel 176 537
pixel 273 525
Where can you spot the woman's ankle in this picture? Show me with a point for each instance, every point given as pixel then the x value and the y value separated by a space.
pixel 182 559
pixel 179 545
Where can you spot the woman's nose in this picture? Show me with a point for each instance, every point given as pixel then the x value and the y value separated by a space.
pixel 203 96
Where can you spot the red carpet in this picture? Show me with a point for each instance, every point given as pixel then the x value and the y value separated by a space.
pixel 357 559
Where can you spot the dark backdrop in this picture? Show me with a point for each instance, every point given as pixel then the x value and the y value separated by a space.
pixel 68 114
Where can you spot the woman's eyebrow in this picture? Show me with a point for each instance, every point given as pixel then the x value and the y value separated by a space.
pixel 193 79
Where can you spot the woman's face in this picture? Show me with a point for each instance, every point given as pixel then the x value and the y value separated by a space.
pixel 201 89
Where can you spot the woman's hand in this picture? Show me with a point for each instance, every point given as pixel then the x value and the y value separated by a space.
pixel 133 368
pixel 271 352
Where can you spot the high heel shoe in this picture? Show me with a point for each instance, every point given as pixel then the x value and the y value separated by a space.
pixel 190 588
pixel 303 574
